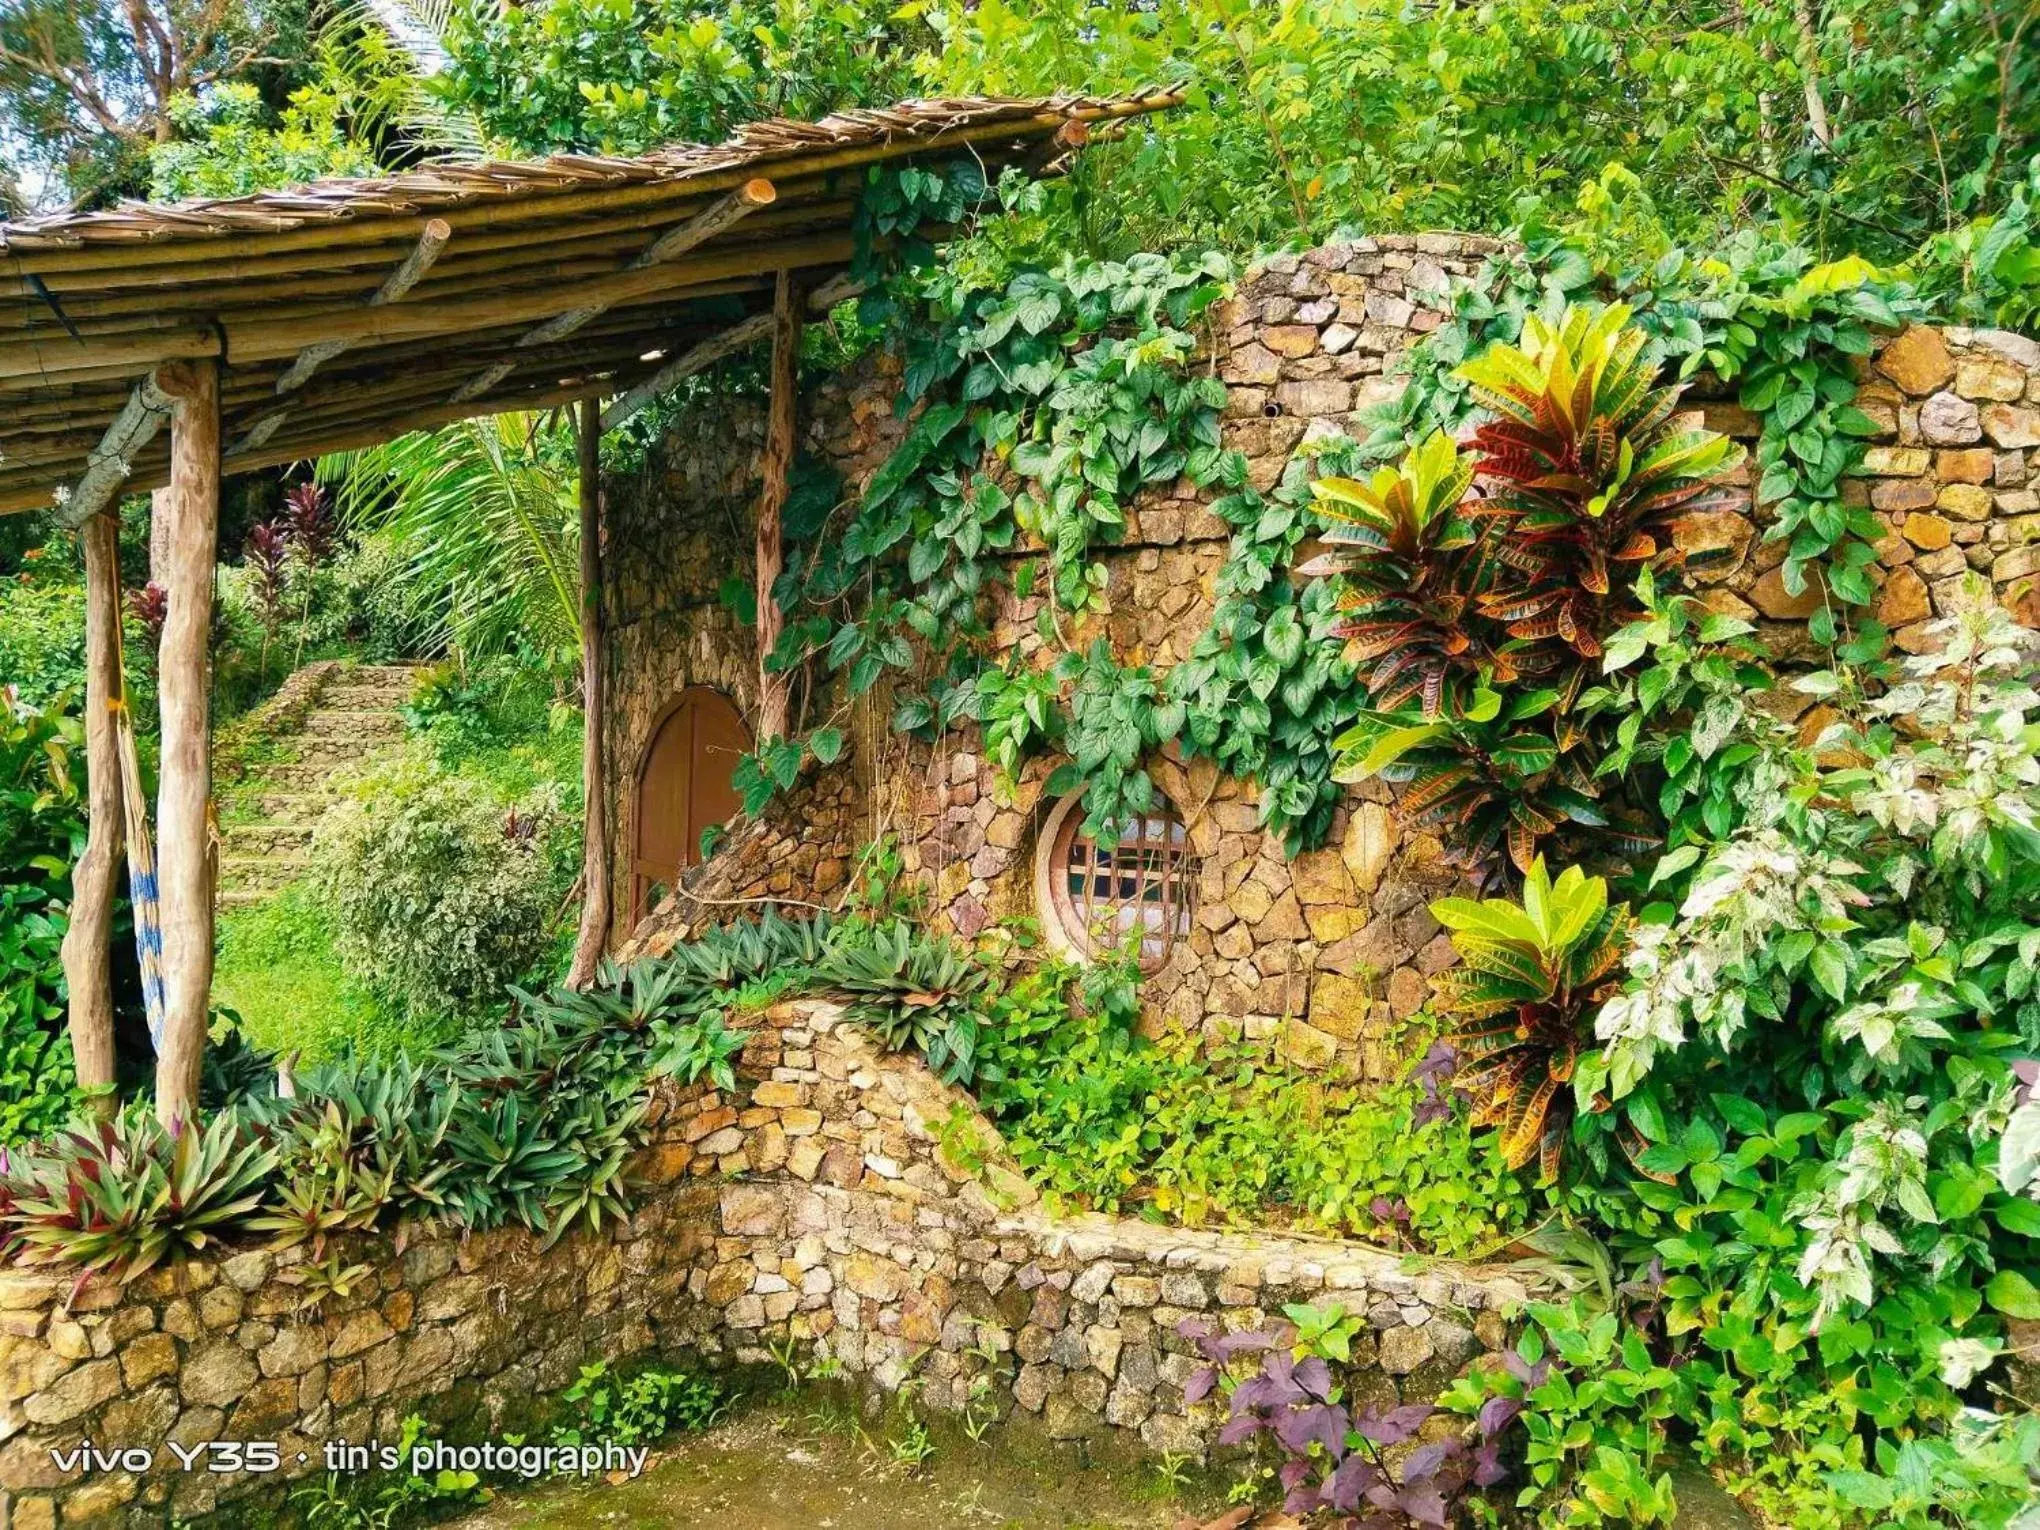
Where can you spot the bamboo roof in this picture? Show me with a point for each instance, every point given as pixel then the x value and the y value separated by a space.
pixel 350 311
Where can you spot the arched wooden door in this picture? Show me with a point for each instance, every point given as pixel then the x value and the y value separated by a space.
pixel 683 787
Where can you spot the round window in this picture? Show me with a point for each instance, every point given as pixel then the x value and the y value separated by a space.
pixel 1096 897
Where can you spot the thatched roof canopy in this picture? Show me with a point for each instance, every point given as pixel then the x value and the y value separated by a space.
pixel 350 311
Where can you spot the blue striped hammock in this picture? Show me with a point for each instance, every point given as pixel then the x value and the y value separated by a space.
pixel 141 857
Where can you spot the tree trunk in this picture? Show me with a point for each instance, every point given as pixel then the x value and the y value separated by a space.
pixel 159 534
pixel 96 877
pixel 183 817
pixel 594 935
pixel 778 462
pixel 1809 68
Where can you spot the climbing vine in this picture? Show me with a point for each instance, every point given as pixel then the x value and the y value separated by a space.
pixel 1040 405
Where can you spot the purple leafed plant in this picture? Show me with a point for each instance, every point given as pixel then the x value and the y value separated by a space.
pixel 268 546
pixel 1434 1073
pixel 308 510
pixel 1333 1455
pixel 150 607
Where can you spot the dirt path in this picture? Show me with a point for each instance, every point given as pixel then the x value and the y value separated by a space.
pixel 779 1468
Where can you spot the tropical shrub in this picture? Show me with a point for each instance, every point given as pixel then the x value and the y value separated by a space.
pixel 42 831
pixel 1813 1055
pixel 42 639
pixel 440 892
pixel 913 989
pixel 1474 615
pixel 1104 1119
pixel 1529 978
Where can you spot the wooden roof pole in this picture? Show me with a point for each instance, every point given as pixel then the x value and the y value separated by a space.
pixel 671 245
pixel 96 877
pixel 307 361
pixel 719 215
pixel 108 462
pixel 594 934
pixel 715 348
pixel 775 467
pixel 51 361
pixel 431 241
pixel 184 795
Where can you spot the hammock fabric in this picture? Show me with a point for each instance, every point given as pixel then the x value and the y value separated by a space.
pixel 141 856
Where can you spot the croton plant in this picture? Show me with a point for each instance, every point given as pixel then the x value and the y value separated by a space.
pixel 1480 585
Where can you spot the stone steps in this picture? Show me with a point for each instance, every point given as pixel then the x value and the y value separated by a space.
pixel 354 717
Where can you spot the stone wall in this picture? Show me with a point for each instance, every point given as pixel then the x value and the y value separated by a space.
pixel 844 1199
pixel 1325 956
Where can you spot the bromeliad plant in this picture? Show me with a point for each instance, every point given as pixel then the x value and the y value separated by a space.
pixel 119 1197
pixel 1479 591
pixel 1530 977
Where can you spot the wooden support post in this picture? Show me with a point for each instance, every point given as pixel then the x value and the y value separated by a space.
pixel 594 936
pixel 96 877
pixel 776 465
pixel 183 817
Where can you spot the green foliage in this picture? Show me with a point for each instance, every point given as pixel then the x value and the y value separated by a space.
pixel 440 893
pixel 1790 332
pixel 42 831
pixel 483 520
pixel 333 1503
pixel 1812 1055
pixel 279 973
pixel 624 76
pixel 913 989
pixel 1310 116
pixel 1595 1405
pixel 646 1406
pixel 1263 690
pixel 42 638
pixel 1981 1476
pixel 228 147
pixel 1528 976
pixel 1101 1118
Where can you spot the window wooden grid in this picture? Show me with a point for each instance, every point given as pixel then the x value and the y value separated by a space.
pixel 1104 893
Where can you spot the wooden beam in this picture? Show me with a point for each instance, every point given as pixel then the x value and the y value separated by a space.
pixel 431 241
pixel 259 338
pixel 739 335
pixel 184 794
pixel 594 933
pixel 705 225
pixel 669 246
pixel 108 463
pixel 482 382
pixel 775 467
pixel 96 877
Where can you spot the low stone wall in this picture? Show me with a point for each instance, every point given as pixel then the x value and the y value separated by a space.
pixel 845 1199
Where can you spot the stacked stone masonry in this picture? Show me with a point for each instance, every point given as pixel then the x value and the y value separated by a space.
pixel 1325 956
pixel 844 1199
